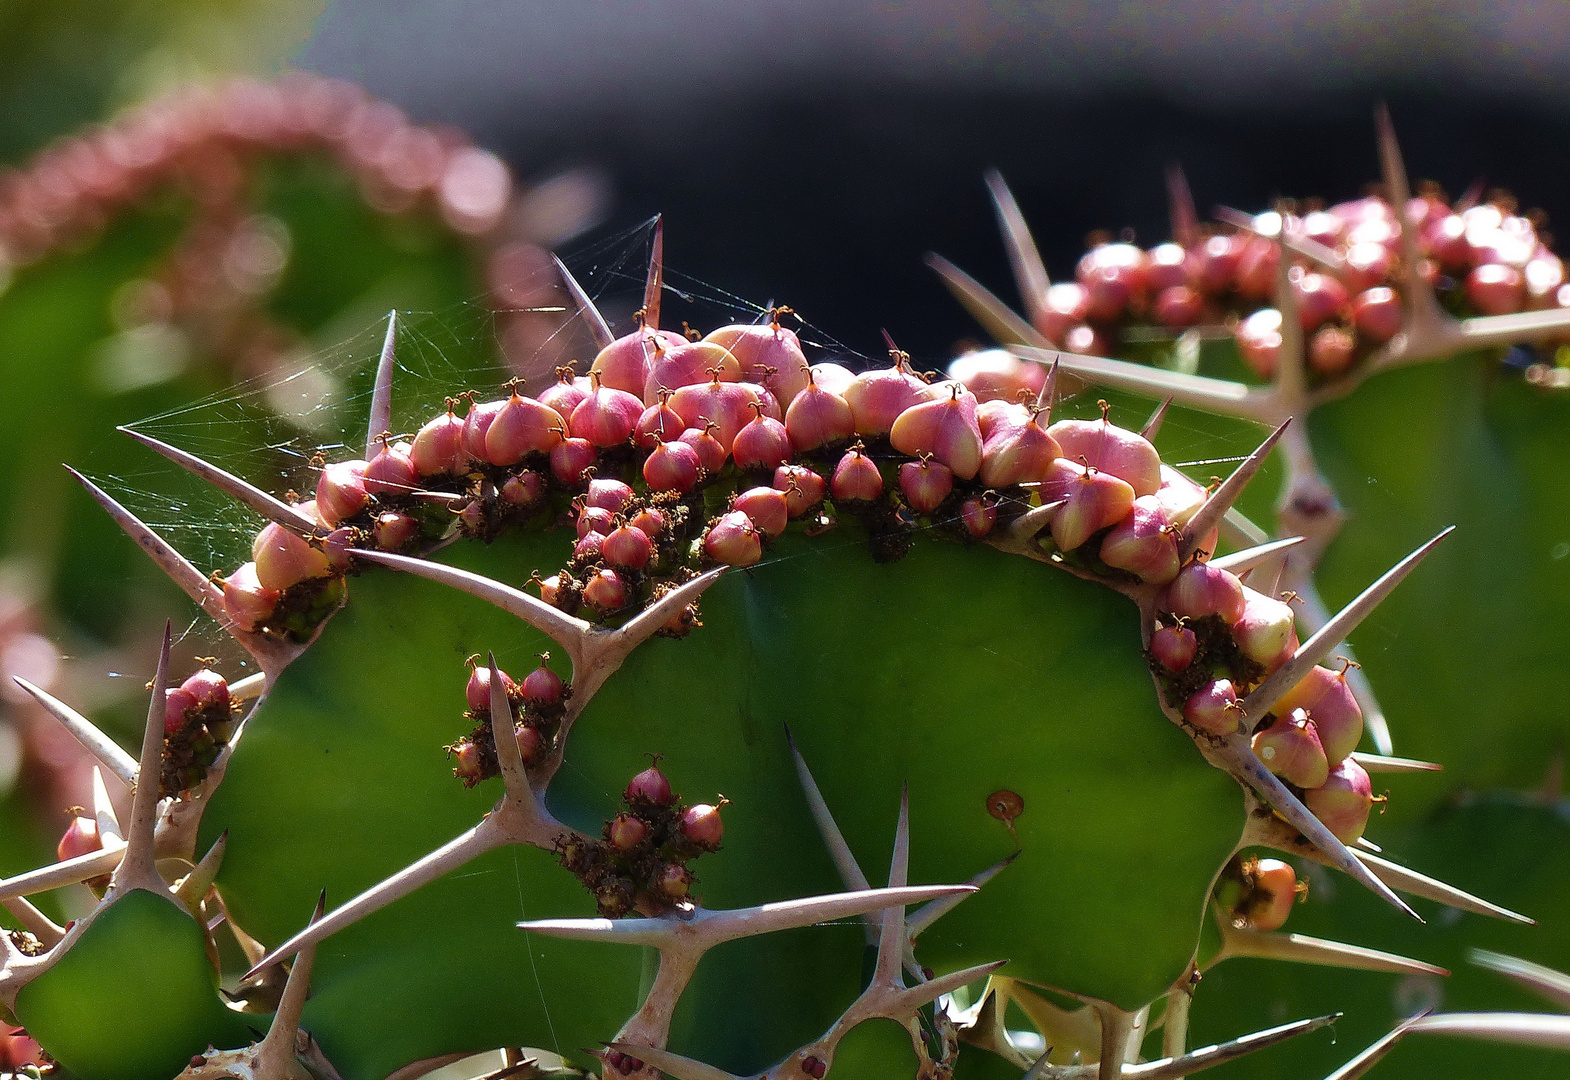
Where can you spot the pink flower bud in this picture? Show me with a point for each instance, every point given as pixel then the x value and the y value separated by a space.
pixel 569 458
pixel 925 484
pixel 1275 891
pixel 1016 449
pixel 659 423
pixel 624 363
pixel 612 495
pixel 595 519
pixel 762 444
pixel 649 521
pixel 769 355
pixel 673 466
pixel 1263 629
pixel 1201 589
pixel 283 559
pixel 1143 543
pixel 394 531
pixel 628 548
pixel 734 540
pixel 209 688
pixel 542 686
pixel 524 489
pixel 1291 749
pixel 711 452
pixel 856 477
pixel 627 832
pixel 1099 499
pixel 477 426
pixel 1377 314
pixel 1328 700
pixel 727 405
pixel 478 690
pixel 803 488
pixel 650 786
pixel 878 398
pixel 946 428
pixel 1214 708
pixel 1342 803
pixel 1102 445
pixel 81 838
pixel 702 825
pixel 816 417
pixel 247 601
pixel 1174 647
pixel 689 363
pixel 607 417
pixel 522 426
pixel 437 448
pixel 606 591
pixel 766 507
pixel 978 516
pixel 1259 341
pixel 391 472
pixel 673 881
pixel 178 704
pixel 341 491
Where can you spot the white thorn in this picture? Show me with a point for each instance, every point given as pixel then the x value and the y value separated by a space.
pixel 103 810
pixel 381 392
pixel 674 1065
pixel 462 849
pixel 1359 1066
pixel 1379 763
pixel 1519 1029
pixel 1551 984
pixel 70 872
pixel 101 746
pixel 35 922
pixel 1152 426
pixel 1199 391
pixel 275 1056
pixel 290 517
pixel 934 910
pixel 565 630
pixel 1210 513
pixel 1030 273
pixel 1331 635
pixel 1030 524
pixel 1301 949
pixel 138 866
pixel 598 328
pixel 509 757
pixel 647 623
pixel 1237 756
pixel 1241 562
pixel 1004 325
pixel 654 285
pixel 839 851
pixel 892 938
pixel 1416 884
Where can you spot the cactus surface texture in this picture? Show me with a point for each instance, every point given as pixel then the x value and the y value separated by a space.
pixel 578 723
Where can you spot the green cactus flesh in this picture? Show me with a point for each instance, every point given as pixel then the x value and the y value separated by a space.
pixel 134 998
pixel 340 781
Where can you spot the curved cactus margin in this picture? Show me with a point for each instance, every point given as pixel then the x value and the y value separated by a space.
pixel 1307 505
pixel 1274 816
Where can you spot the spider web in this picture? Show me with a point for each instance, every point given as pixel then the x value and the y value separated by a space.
pixel 270 428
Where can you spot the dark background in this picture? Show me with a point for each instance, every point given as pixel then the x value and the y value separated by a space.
pixel 813 152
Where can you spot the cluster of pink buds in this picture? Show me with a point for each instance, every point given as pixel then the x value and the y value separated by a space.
pixel 1218 639
pixel 640 862
pixel 1258 894
pixel 202 137
pixel 198 720
pixel 1346 267
pixel 538 704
